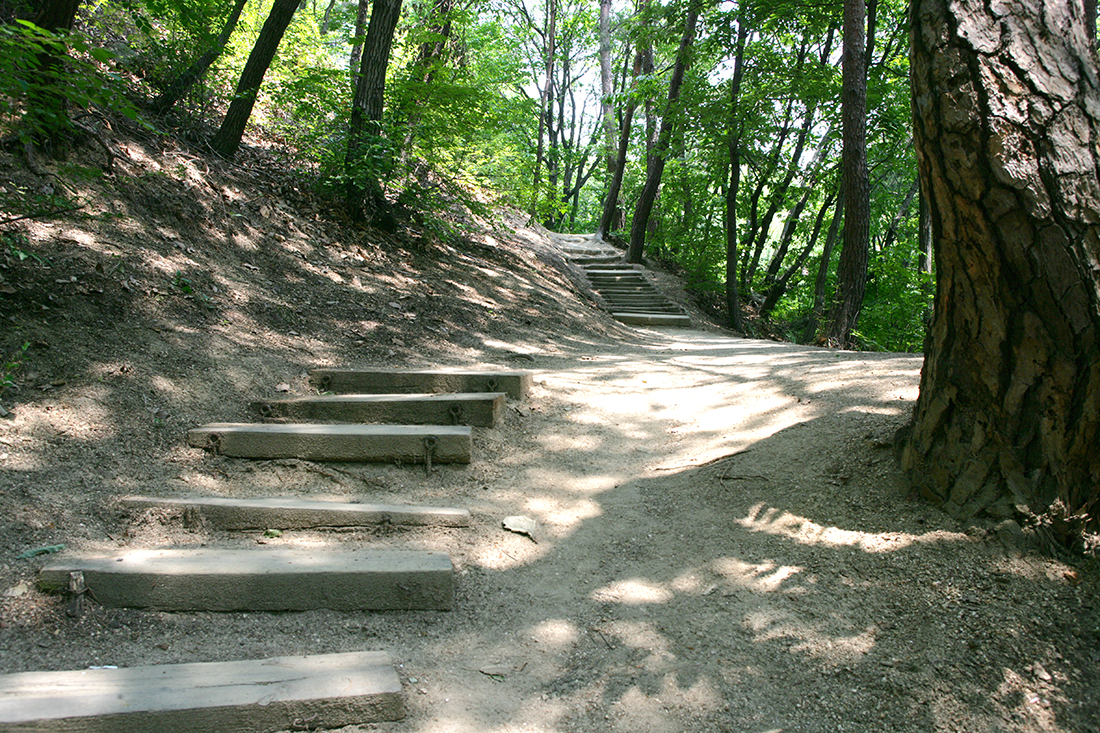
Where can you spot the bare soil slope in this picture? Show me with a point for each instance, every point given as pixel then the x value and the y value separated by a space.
pixel 724 542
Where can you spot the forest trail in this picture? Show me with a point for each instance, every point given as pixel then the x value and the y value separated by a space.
pixel 723 541
pixel 724 544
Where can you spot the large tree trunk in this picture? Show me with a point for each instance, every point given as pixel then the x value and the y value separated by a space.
pixel 644 206
pixel 854 250
pixel 228 138
pixel 365 198
pixel 1006 118
pixel 183 83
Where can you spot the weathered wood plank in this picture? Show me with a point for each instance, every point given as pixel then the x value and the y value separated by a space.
pixel 253 696
pixel 264 579
pixel 368 443
pixel 292 513
pixel 516 384
pixel 484 409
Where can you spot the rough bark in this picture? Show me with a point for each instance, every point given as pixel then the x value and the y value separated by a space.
pixel 183 83
pixel 644 206
pixel 1006 119
pixel 852 268
pixel 228 137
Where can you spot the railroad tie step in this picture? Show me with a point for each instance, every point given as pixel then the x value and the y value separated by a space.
pixel 314 442
pixel 480 409
pixel 652 319
pixel 516 384
pixel 322 691
pixel 292 513
pixel 260 579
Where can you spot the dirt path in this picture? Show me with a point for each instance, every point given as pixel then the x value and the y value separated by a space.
pixel 725 545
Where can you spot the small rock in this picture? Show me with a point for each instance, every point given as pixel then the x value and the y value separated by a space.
pixel 1040 672
pixel 282 387
pixel 521 525
pixel 17 590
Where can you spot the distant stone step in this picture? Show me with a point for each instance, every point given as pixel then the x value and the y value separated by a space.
pixel 482 409
pixel 603 267
pixel 367 443
pixel 652 319
pixel 327 690
pixel 592 260
pixel 291 513
pixel 670 309
pixel 516 384
pixel 261 579
pixel 615 277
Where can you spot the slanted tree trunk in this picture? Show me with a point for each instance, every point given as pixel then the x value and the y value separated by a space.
pixel 183 83
pixel 365 199
pixel 851 276
pixel 810 335
pixel 656 168
pixel 1008 417
pixel 611 200
pixel 228 138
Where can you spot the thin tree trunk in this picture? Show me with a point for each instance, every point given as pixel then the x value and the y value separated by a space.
pixel 809 335
pixel 779 286
pixel 606 90
pixel 183 83
pixel 546 102
pixel 365 198
pixel 892 230
pixel 852 269
pixel 611 200
pixel 644 206
pixel 228 138
pixel 733 296
pixel 355 60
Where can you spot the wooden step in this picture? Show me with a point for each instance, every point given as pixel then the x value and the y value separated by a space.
pixel 292 513
pixel 483 409
pixel 368 443
pixel 652 319
pixel 324 691
pixel 261 579
pixel 516 384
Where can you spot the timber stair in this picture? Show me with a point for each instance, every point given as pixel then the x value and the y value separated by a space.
pixel 390 415
pixel 629 294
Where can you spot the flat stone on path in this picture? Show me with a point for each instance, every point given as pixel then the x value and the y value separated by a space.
pixel 291 513
pixel 262 579
pixel 324 691
pixel 368 443
pixel 516 384
pixel 481 409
